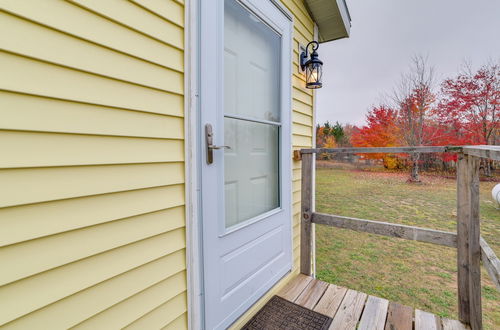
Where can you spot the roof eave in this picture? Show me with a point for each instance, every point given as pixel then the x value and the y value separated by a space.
pixel 332 17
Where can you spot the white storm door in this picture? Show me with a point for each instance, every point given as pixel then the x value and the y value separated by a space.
pixel 245 88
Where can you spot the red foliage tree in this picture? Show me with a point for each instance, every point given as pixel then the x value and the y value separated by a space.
pixel 380 131
pixel 470 104
pixel 469 108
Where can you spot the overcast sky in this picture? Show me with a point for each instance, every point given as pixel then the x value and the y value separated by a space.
pixel 360 70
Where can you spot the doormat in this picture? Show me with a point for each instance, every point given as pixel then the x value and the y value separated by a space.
pixel 279 313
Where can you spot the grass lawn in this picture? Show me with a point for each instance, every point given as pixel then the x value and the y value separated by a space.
pixel 416 274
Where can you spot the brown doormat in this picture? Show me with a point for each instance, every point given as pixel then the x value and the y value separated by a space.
pixel 278 314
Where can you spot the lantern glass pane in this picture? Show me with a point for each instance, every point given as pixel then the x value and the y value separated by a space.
pixel 314 75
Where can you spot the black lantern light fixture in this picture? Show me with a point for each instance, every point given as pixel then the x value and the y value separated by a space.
pixel 313 66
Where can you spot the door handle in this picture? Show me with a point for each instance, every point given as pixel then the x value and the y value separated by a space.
pixel 219 147
pixel 209 139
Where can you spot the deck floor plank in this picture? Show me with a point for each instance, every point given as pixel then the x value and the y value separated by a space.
pixel 293 289
pixel 330 302
pixel 399 317
pixel 453 325
pixel 312 294
pixel 349 311
pixel 426 321
pixel 374 314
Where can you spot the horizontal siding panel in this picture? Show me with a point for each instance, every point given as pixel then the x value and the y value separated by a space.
pixel 298 13
pixel 44 79
pixel 132 16
pixel 302 108
pixel 301 85
pixel 168 9
pixel 170 292
pixel 33 113
pixel 70 311
pixel 303 130
pixel 163 315
pixel 297 165
pixel 295 233
pixel 70 282
pixel 304 30
pixel 180 323
pixel 60 48
pixel 36 256
pixel 299 36
pixel 296 218
pixel 88 26
pixel 296 208
pixel 37 220
pixel 295 68
pixel 302 119
pixel 27 149
pixel 32 185
pixel 301 96
pixel 296 196
pixel 302 141
pixel 299 80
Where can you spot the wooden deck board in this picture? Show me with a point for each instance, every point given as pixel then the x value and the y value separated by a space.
pixel 330 302
pixel 293 289
pixel 311 294
pixel 453 325
pixel 351 309
pixel 399 317
pixel 426 321
pixel 375 314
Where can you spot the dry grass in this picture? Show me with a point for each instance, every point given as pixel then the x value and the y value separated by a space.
pixel 416 274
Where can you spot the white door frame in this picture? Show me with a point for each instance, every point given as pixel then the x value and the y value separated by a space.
pixel 192 126
pixel 194 254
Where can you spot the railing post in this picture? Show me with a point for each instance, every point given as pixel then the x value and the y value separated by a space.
pixel 463 215
pixel 475 247
pixel 468 244
pixel 306 213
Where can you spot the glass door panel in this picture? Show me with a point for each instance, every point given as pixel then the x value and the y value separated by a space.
pixel 252 53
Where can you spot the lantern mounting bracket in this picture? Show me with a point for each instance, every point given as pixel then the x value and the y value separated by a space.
pixel 305 54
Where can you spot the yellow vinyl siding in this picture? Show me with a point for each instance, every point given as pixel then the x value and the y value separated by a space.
pixel 88 26
pixel 92 211
pixel 34 113
pixel 302 137
pixel 169 10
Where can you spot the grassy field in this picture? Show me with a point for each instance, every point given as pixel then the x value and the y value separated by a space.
pixel 416 274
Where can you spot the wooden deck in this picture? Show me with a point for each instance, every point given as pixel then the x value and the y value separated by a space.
pixel 351 309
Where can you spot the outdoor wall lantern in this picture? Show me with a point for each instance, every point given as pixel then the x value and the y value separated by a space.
pixel 313 66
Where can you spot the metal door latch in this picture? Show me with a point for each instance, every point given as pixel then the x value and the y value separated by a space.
pixel 209 138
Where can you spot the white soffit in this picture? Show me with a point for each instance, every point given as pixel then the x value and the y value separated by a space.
pixel 332 18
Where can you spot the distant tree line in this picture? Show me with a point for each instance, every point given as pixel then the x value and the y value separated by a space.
pixel 463 110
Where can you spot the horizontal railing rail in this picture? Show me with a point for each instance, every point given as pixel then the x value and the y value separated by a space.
pixel 471 247
pixel 387 229
pixel 482 151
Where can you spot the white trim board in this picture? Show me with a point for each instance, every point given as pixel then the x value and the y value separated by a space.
pixel 194 253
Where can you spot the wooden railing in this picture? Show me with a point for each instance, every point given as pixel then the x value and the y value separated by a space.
pixel 471 247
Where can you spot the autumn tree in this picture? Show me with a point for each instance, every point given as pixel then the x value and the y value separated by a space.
pixel 469 106
pixel 414 98
pixel 380 130
pixel 325 137
pixel 348 132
